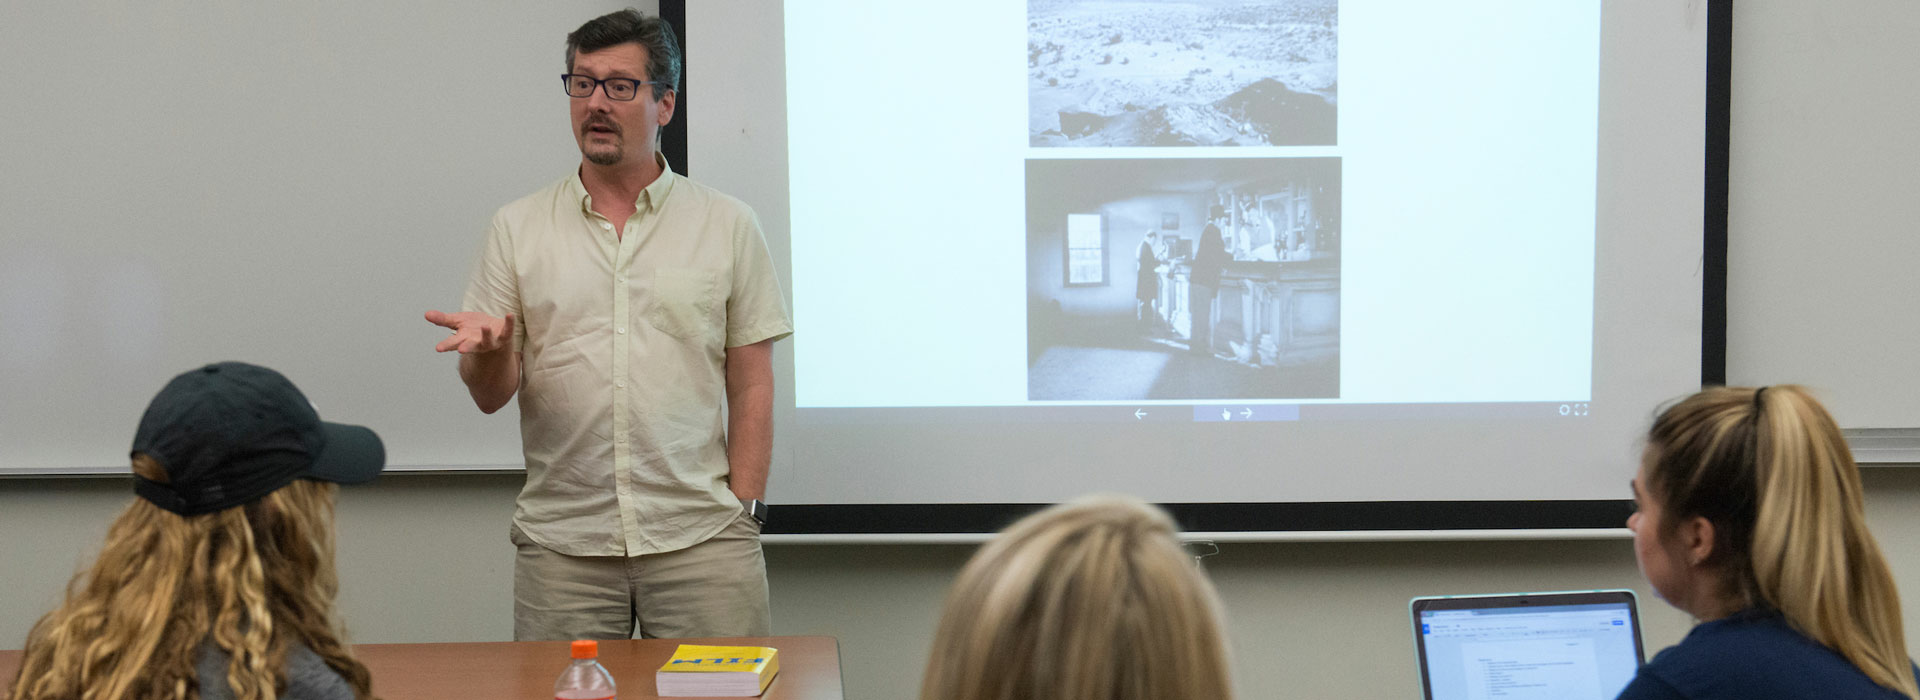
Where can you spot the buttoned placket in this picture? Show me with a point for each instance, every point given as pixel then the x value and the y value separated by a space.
pixel 623 460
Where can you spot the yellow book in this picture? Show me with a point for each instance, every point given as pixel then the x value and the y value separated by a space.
pixel 705 671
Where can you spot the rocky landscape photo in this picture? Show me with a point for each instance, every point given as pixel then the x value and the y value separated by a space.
pixel 1193 73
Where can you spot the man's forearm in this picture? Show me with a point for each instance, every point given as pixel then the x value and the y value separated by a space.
pixel 491 377
pixel 749 418
pixel 750 440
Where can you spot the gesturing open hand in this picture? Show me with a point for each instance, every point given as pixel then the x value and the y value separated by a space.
pixel 473 332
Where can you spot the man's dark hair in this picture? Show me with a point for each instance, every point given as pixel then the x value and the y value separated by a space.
pixel 629 26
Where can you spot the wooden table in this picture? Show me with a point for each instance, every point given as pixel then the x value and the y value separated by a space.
pixel 809 667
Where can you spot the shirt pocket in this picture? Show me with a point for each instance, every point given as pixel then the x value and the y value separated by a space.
pixel 682 301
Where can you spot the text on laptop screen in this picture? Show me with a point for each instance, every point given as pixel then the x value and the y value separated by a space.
pixel 1564 652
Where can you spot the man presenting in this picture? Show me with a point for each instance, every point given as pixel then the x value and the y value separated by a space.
pixel 622 303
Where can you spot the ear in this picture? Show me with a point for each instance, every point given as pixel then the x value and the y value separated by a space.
pixel 1696 538
pixel 667 102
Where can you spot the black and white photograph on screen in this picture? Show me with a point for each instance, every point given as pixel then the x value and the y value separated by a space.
pixel 1183 278
pixel 1192 73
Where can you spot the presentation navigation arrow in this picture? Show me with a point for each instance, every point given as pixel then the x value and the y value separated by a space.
pixel 1246 414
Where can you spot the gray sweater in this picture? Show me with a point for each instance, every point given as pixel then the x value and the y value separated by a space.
pixel 308 677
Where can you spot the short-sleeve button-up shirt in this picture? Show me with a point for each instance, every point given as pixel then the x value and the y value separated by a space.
pixel 623 343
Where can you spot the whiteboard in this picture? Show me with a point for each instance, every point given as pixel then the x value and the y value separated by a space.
pixel 289 184
pixel 1821 245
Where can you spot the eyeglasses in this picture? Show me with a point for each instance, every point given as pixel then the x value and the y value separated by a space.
pixel 621 89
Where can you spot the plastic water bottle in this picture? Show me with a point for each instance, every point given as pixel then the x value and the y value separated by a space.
pixel 585 678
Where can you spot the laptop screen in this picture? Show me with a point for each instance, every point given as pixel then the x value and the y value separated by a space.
pixel 1505 651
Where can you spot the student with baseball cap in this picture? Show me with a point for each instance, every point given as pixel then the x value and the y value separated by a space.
pixel 218 580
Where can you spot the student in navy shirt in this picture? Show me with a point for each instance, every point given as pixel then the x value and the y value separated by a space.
pixel 1749 518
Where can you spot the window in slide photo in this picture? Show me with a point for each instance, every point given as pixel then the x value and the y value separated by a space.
pixel 1195 73
pixel 1256 318
pixel 1086 250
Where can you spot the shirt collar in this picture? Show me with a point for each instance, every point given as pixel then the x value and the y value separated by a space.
pixel 650 197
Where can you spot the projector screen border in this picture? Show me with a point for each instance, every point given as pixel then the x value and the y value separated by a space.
pixel 1239 518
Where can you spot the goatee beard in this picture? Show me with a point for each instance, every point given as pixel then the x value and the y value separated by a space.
pixel 604 157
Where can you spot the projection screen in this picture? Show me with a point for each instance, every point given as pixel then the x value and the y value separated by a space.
pixel 1283 265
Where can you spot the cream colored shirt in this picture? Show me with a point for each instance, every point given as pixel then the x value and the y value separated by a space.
pixel 623 358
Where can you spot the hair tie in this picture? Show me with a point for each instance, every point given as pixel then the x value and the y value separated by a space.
pixel 1756 397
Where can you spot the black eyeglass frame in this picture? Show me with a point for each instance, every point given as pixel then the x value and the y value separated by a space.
pixel 605 85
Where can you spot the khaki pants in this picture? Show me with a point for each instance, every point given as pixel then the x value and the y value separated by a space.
pixel 717 588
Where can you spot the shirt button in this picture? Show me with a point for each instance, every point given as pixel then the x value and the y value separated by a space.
pixel 622 331
pixel 606 226
pixel 619 385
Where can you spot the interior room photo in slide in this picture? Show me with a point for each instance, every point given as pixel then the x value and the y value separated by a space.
pixel 1125 304
pixel 1196 73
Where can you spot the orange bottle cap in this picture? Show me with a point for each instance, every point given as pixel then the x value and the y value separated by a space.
pixel 586 649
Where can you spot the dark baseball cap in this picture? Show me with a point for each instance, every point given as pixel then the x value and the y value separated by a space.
pixel 230 433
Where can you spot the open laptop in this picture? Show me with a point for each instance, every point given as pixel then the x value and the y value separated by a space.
pixel 1521 646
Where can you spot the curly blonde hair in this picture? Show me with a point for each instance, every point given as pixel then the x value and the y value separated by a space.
pixel 250 580
pixel 1091 600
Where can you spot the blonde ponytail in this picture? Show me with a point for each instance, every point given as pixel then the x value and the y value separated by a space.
pixel 1770 469
pixel 1813 558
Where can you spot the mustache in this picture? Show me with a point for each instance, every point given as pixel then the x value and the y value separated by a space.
pixel 600 121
